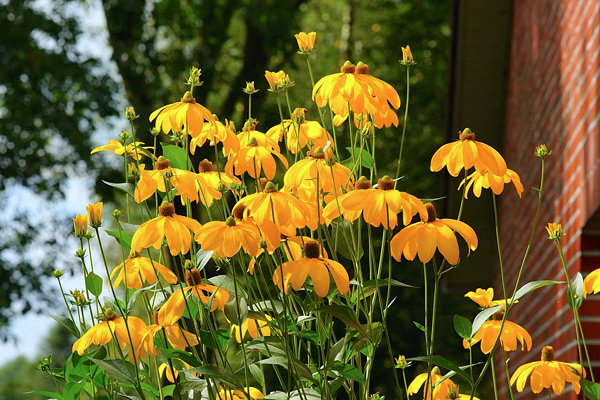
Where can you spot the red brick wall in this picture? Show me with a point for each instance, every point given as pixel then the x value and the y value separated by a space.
pixel 553 98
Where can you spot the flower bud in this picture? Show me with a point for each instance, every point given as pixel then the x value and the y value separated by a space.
pixel 542 151
pixel 154 132
pixel 116 213
pixel 306 42
pixel 80 224
pixel 89 235
pixel 407 57
pixel 80 253
pixel 95 214
pixel 123 136
pixel 130 113
pixel 249 89
pixel 555 231
pixel 57 273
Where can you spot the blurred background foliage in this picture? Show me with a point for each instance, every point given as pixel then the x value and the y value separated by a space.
pixel 54 96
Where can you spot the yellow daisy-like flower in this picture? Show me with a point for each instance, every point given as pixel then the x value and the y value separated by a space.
pixel 487 180
pixel 424 237
pixel 467 153
pixel 318 268
pixel 511 333
pixel 175 228
pixel 216 132
pixel 137 269
pixel 253 326
pixel 381 206
pixel 306 42
pixel 548 373
pixel 253 159
pixel 298 132
pixel 226 238
pixel 440 392
pixel 176 336
pixel 119 149
pixel 173 309
pixel 171 373
pixel 591 283
pixel 80 225
pixel 113 325
pixel 175 116
pixel 262 139
pixel 336 206
pixel 214 178
pixel 484 297
pixel 228 394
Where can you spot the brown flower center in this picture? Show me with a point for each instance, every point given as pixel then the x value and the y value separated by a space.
pixel 431 214
pixel 362 183
pixel 311 249
pixel 385 183
pixel 467 134
pixel 362 68
pixel 498 316
pixel 162 163
pixel 547 353
pixel 166 210
pixel 192 277
pixel 348 68
pixel 238 211
pixel 155 316
pixel 109 315
pixel 205 166
pixel 318 154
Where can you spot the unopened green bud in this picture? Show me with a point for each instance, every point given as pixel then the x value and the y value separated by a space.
pixel 57 273
pixel 80 253
pixel 116 214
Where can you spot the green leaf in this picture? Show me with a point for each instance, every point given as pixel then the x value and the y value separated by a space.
pixel 226 281
pixel 482 317
pixel 214 339
pixel 342 235
pixel 182 355
pixel 52 395
pixel 67 323
pixel 305 394
pixel 348 371
pixel 128 188
pixel 445 363
pixel 117 369
pixel 219 373
pixel 369 287
pixel 462 326
pixel 418 325
pixel 231 311
pixel 301 368
pixel 191 384
pixel 363 155
pixel 591 390
pixel 72 390
pixel 257 374
pixel 346 315
pixel 576 298
pixel 131 303
pixel 531 286
pixel 202 258
pixel 122 237
pixel 176 155
pixel 129 228
pixel 93 283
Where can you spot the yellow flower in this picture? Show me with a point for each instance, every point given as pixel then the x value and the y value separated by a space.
pixel 216 132
pixel 424 237
pixel 278 81
pixel 80 224
pixel 548 373
pixel 177 337
pixel 136 270
pixel 336 206
pixel 113 326
pixel 440 392
pixel 175 228
pixel 94 214
pixel 484 298
pixel 228 394
pixel 381 206
pixel 173 309
pixel 466 153
pixel 306 42
pixel 175 116
pixel 254 327
pixel 298 134
pixel 119 149
pixel 226 238
pixel 454 394
pixel 253 159
pixel 319 269
pixel 555 231
pixel 171 373
pixel 488 180
pixel 591 283
pixel 511 333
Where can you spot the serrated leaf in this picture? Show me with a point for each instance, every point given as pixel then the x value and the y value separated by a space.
pixel 176 155
pixel 93 283
pixel 576 298
pixel 444 363
pixel 122 237
pixel 364 156
pixel 482 317
pixel 117 369
pixel 67 323
pixel 219 373
pixel 418 325
pixel 462 326
pixel 128 188
pixel 346 315
pixel 348 371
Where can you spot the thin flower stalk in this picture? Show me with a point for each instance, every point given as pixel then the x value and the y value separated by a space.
pixel 405 120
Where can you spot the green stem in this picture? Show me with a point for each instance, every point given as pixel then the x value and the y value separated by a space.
pixel 405 119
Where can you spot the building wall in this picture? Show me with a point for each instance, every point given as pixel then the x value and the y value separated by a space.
pixel 553 98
